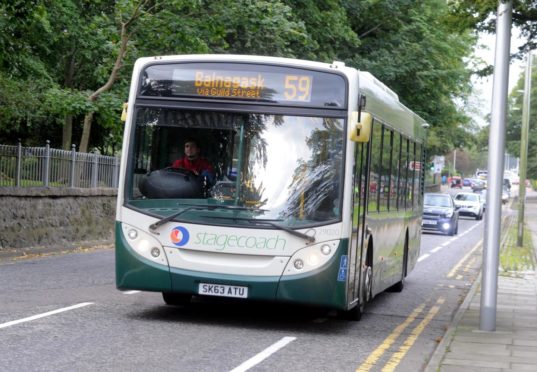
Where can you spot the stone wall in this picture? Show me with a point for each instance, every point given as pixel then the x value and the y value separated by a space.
pixel 56 217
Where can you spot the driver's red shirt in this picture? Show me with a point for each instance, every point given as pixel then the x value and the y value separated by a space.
pixel 197 165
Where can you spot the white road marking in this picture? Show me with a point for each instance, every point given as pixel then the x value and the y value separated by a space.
pixel 263 355
pixel 131 292
pixel 445 244
pixel 423 257
pixel 48 313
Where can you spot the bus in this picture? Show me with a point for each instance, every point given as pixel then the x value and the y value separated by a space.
pixel 317 191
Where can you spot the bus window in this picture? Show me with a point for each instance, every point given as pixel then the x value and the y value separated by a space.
pixel 403 171
pixel 253 168
pixel 396 157
pixel 375 175
pixel 386 169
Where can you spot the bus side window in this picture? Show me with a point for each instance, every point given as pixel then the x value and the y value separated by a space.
pixel 385 169
pixel 374 177
pixel 403 171
pixel 411 181
pixel 396 172
pixel 418 170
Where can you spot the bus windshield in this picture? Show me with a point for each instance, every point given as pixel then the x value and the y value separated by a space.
pixel 279 168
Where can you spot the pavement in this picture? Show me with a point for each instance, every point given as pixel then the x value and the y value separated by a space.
pixel 513 345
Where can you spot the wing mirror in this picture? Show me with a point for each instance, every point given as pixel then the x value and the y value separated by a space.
pixel 360 130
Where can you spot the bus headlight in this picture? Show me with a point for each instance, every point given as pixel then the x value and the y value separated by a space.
pixel 311 258
pixel 132 234
pixel 144 244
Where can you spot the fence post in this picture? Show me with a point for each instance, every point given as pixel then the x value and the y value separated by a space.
pixel 19 164
pixel 73 165
pixel 46 171
pixel 95 170
pixel 115 174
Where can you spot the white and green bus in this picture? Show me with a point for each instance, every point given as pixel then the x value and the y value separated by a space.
pixel 316 196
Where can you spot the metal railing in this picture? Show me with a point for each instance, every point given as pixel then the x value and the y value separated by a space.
pixel 42 166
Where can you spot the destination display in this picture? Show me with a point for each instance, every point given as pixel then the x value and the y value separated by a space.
pixel 250 82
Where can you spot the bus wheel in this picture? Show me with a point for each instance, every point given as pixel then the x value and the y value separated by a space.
pixel 176 299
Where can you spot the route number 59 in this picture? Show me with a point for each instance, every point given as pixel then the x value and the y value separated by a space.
pixel 297 88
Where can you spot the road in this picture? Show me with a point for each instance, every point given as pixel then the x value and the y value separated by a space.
pixel 63 313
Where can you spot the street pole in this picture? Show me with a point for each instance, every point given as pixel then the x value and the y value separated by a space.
pixel 524 152
pixel 491 249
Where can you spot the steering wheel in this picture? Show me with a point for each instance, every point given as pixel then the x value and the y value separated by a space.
pixel 183 171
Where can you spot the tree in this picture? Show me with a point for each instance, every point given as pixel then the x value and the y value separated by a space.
pixel 411 48
pixel 514 126
pixel 479 16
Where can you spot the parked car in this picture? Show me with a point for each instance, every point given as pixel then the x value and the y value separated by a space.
pixel 469 204
pixel 440 213
pixel 466 182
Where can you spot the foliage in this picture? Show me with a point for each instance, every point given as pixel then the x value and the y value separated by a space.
pixel 54 54
pixel 409 46
pixel 476 14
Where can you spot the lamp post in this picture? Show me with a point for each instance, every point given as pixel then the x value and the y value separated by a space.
pixel 489 288
pixel 524 152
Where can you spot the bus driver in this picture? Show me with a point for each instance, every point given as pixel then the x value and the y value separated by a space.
pixel 193 162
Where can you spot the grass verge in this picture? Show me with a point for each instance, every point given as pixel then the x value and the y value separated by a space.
pixel 513 258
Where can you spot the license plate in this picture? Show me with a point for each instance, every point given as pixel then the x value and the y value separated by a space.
pixel 429 222
pixel 222 290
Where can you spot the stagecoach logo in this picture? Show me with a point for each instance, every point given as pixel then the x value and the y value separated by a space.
pixel 179 236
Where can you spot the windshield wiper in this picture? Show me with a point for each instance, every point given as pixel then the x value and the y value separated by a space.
pixel 308 238
pixel 162 221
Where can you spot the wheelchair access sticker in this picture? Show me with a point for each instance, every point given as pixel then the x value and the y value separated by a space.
pixel 343 267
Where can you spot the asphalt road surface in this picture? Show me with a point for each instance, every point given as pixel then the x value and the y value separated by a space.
pixel 63 313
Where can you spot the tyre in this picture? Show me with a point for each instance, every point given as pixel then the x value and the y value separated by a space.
pixel 176 299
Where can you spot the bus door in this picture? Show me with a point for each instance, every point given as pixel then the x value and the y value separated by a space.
pixel 356 249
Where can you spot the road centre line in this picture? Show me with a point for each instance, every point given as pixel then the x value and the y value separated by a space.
pixel 256 359
pixel 373 358
pixel 423 257
pixel 396 358
pixel 131 292
pixel 434 250
pixel 48 313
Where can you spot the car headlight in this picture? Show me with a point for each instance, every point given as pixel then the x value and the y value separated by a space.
pixel 144 244
pixel 449 214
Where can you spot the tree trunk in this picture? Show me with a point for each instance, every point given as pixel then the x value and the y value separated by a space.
pixel 67 132
pixel 86 130
pixel 124 39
